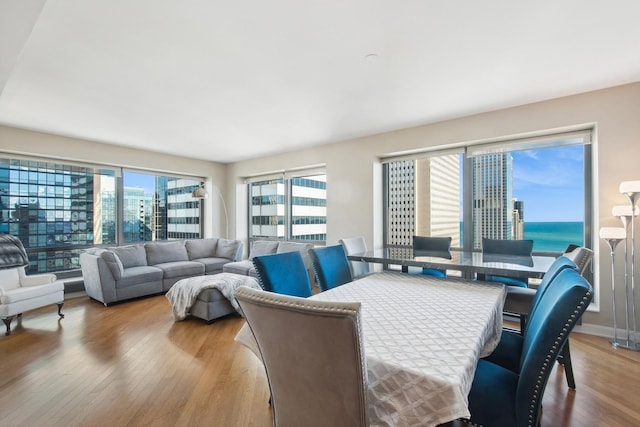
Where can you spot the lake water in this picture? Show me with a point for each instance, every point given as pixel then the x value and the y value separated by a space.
pixel 554 236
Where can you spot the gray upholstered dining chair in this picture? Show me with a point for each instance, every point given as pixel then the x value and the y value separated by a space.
pixel 331 266
pixel 355 245
pixel 508 386
pixel 313 355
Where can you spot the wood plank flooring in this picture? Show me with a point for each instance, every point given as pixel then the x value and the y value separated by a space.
pixel 131 365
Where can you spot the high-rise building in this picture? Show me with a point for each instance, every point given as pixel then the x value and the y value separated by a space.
pixel 517 220
pixel 424 199
pixel 492 182
pixel 301 199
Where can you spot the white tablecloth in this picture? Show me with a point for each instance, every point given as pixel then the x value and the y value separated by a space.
pixel 423 337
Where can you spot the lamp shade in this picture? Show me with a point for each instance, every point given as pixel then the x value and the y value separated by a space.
pixel 200 193
pixel 629 187
pixel 613 233
pixel 624 210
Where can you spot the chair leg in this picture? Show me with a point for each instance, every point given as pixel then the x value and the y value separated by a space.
pixel 7 322
pixel 523 323
pixel 60 304
pixel 565 360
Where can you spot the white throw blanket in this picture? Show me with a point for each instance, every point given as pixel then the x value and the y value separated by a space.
pixel 183 293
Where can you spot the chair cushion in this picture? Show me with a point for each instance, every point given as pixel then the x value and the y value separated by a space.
pixel 160 253
pixel 201 248
pixel 492 396
pixel 22 294
pixel 510 281
pixel 131 256
pixel 263 247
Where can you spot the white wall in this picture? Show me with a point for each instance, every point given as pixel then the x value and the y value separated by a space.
pixel 353 173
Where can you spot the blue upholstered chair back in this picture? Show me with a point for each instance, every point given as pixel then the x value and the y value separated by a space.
pixel 435 247
pixel 507 247
pixel 283 273
pixel 511 248
pixel 331 266
pixel 558 265
pixel 432 246
pixel 548 328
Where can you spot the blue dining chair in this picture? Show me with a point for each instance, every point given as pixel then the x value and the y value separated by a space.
pixel 331 266
pixel 511 248
pixel 433 247
pixel 283 273
pixel 506 397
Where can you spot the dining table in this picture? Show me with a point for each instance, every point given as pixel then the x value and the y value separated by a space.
pixel 421 349
pixel 468 263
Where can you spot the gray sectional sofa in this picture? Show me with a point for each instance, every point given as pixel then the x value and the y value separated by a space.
pixel 125 272
pixel 266 247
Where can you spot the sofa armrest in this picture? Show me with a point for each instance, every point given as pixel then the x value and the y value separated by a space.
pixel 99 282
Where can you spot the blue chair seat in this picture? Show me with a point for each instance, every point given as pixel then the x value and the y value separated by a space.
pixel 491 384
pixel 509 281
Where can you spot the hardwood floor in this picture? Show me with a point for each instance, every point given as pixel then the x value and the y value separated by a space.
pixel 131 365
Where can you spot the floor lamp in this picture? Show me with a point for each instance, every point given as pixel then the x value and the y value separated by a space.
pixel 613 236
pixel 631 189
pixel 201 193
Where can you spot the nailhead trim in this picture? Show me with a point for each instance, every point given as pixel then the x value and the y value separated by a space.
pixel 549 358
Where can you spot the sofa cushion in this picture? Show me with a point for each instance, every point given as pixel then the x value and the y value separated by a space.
pixel 212 264
pixel 240 267
pixel 263 247
pixel 131 256
pixel 181 269
pixel 114 263
pixel 137 275
pixel 227 248
pixel 201 248
pixel 159 253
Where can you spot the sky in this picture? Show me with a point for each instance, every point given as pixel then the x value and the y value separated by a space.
pixel 139 180
pixel 550 182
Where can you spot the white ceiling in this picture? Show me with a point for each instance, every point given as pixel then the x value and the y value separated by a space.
pixel 232 80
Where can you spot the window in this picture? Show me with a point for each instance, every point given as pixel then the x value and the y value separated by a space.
pixel 289 208
pixel 57 209
pixel 536 188
pixel 158 207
